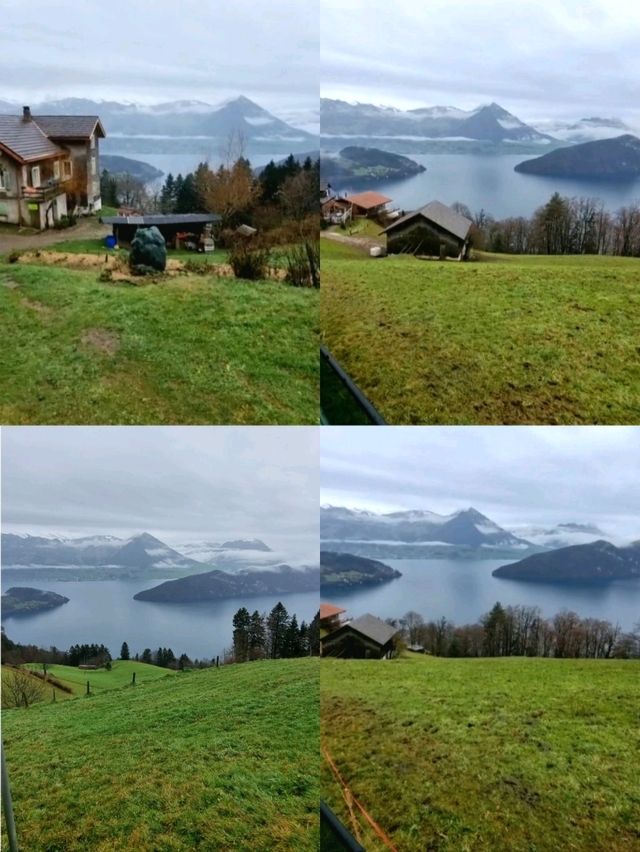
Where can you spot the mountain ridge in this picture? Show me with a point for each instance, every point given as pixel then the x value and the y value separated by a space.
pixel 598 561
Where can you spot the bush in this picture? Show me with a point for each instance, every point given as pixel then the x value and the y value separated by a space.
pixel 303 265
pixel 251 264
pixel 148 253
pixel 14 256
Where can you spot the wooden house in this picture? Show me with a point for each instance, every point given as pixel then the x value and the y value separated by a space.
pixel 48 167
pixel 336 210
pixel 434 230
pixel 364 638
pixel 330 617
pixel 370 204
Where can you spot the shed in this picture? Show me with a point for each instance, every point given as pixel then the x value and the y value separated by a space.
pixel 434 229
pixel 169 225
pixel 366 637
pixel 368 203
pixel 416 649
pixel 336 210
pixel 330 616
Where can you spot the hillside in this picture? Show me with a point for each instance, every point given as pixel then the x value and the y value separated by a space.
pixel 117 165
pixel 596 562
pixel 485 754
pixel 343 570
pixel 525 340
pixel 612 159
pixel 218 585
pixel 356 163
pixel 217 759
pixel 23 600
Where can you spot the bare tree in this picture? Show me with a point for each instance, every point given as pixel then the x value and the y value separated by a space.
pixel 21 689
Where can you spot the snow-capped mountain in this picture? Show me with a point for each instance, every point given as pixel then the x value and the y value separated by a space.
pixel 236 555
pixel 466 527
pixel 586 129
pixel 179 119
pixel 487 123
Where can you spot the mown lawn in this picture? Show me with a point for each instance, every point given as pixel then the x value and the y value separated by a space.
pixel 545 340
pixel 190 349
pixel 486 755
pixel 218 759
pixel 102 680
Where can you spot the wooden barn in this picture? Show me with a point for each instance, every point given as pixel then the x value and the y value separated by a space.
pixel 336 210
pixel 370 204
pixel 330 617
pixel 178 229
pixel 435 230
pixel 364 638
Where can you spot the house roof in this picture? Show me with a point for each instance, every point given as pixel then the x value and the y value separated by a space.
pixel 367 200
pixel 25 141
pixel 373 628
pixel 168 219
pixel 440 214
pixel 70 126
pixel 328 610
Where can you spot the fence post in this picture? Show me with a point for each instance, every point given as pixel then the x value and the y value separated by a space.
pixel 133 679
pixel 88 689
pixel 7 807
pixel 217 662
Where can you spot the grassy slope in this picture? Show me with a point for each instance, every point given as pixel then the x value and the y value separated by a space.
pixel 529 755
pixel 47 696
pixel 518 340
pixel 101 680
pixel 194 349
pixel 218 759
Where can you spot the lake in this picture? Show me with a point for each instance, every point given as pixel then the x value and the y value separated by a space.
pixel 489 181
pixel 104 611
pixel 463 590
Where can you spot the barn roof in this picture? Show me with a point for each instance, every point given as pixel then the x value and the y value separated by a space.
pixel 168 219
pixel 70 126
pixel 373 628
pixel 25 141
pixel 328 610
pixel 446 217
pixel 368 200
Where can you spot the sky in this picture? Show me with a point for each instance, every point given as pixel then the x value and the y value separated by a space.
pixel 516 475
pixel 539 59
pixel 148 52
pixel 181 484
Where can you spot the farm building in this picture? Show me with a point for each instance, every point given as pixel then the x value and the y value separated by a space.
pixel 330 616
pixel 178 229
pixel 336 210
pixel 366 637
pixel 369 203
pixel 435 230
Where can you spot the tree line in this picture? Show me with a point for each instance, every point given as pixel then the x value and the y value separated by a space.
pixel 276 635
pixel 563 225
pixel 521 631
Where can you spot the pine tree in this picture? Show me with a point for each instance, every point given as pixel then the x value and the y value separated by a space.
pixel 146 656
pixel 124 652
pixel 168 195
pixel 241 627
pixel 277 623
pixel 257 636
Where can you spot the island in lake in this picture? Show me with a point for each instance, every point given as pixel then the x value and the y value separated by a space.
pixel 344 570
pixel 581 563
pixel 117 165
pixel 23 600
pixel 217 585
pixel 357 163
pixel 611 159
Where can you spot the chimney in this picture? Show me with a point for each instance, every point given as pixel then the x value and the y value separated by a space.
pixel 26 113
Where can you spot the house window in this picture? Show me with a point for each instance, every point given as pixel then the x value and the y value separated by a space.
pixel 4 179
pixel 66 169
pixel 93 166
pixel 56 169
pixel 35 176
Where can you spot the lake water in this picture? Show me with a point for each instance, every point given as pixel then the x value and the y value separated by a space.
pixel 489 181
pixel 104 611
pixel 463 590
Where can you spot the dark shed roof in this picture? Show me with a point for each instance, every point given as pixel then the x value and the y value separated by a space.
pixel 70 126
pixel 373 628
pixel 24 140
pixel 169 219
pixel 441 215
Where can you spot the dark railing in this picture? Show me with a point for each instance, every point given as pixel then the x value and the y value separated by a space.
pixel 334 836
pixel 341 400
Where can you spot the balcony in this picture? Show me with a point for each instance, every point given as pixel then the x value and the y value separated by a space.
pixel 45 192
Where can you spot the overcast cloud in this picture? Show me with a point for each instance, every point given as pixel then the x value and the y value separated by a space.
pixel 537 58
pixel 515 475
pixel 179 484
pixel 149 52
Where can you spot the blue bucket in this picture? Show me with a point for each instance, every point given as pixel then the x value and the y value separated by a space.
pixel 110 241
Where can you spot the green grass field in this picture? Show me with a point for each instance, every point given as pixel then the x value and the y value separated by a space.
pixel 49 689
pixel 545 340
pixel 102 680
pixel 190 349
pixel 216 759
pixel 486 755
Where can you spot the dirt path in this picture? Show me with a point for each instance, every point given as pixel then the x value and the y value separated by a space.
pixel 86 229
pixel 361 242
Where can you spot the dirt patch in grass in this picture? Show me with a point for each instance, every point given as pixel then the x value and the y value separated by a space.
pixel 38 307
pixel 101 339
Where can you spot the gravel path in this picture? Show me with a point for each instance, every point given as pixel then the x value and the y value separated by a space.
pixel 85 229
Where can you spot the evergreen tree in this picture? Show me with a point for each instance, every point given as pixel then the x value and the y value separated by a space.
pixel 314 635
pixel 257 636
pixel 124 652
pixel 277 624
pixel 146 656
pixel 241 628
pixel 168 195
pixel 187 196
